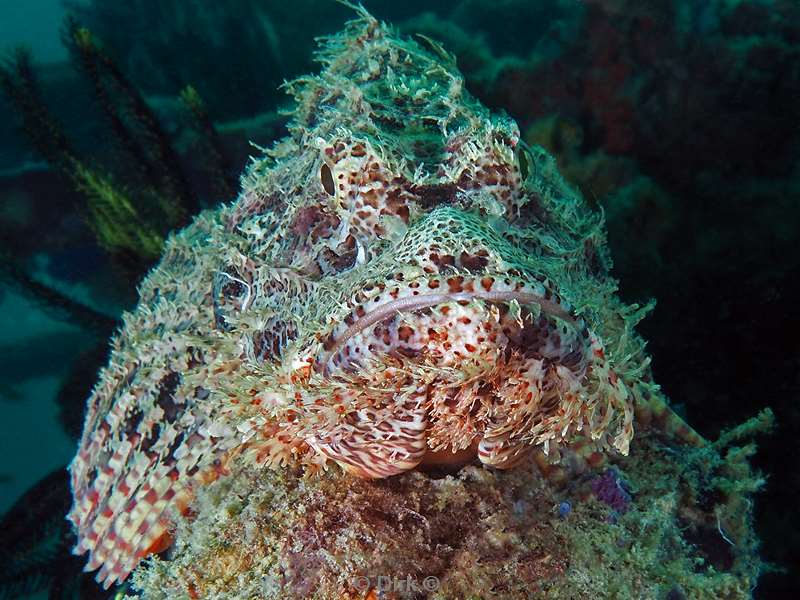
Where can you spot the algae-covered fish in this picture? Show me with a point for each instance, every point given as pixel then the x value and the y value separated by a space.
pixel 400 282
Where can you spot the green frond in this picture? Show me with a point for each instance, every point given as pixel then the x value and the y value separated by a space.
pixel 113 217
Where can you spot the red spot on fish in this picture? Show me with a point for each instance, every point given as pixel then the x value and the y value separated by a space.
pixel 160 544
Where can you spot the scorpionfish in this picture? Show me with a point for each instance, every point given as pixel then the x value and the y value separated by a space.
pixel 402 281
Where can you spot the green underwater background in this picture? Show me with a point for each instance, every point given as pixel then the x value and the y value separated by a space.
pixel 679 119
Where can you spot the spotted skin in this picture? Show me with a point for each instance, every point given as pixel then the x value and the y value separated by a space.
pixel 400 280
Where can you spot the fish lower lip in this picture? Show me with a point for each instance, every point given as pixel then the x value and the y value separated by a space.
pixel 421 301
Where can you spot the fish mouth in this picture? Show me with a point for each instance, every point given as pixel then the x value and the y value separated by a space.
pixel 426 293
pixel 439 369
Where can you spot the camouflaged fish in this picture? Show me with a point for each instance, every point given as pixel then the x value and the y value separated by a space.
pixel 401 282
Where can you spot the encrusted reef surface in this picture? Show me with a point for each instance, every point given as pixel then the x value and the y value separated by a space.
pixel 397 366
pixel 663 523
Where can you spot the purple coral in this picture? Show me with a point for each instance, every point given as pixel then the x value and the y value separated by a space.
pixel 611 489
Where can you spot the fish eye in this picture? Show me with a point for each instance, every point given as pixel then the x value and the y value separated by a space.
pixel 326 177
pixel 524 159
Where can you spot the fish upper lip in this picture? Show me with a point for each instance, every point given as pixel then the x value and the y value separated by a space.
pixel 426 300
